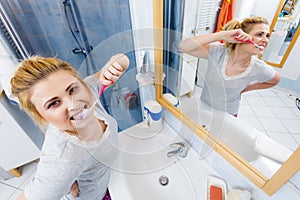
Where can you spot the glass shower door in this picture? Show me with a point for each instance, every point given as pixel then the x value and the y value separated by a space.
pixel 85 34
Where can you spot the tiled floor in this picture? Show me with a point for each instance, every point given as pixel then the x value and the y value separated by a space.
pixel 12 188
pixel 274 113
pixel 271 111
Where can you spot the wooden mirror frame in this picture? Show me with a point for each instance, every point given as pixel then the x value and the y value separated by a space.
pixel 268 185
pixel 292 43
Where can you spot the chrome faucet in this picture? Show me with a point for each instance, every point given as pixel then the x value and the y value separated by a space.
pixel 180 149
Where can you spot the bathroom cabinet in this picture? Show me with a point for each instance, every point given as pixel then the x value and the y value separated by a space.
pixel 16 148
pixel 188 74
pixel 199 17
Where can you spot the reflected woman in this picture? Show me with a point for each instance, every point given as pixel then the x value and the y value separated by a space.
pixel 233 67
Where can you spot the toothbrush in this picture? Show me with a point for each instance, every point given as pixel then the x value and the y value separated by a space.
pixel 256 45
pixel 86 112
pixel 102 89
pixel 252 42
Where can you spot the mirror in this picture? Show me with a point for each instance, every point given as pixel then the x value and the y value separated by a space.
pixel 268 184
pixel 284 33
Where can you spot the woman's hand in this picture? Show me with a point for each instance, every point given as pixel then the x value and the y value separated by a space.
pixel 236 36
pixel 113 69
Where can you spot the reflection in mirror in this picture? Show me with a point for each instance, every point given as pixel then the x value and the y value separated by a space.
pixel 261 122
pixel 284 33
pixel 231 131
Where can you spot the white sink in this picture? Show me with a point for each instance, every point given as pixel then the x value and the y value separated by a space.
pixel 143 160
pixel 146 186
pixel 142 151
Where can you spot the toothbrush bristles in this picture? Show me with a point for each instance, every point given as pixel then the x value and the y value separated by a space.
pixel 86 111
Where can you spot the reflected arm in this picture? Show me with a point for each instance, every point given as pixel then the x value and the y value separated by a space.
pixel 199 45
pixel 263 85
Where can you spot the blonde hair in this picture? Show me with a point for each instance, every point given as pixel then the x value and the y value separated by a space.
pixel 246 25
pixel 29 73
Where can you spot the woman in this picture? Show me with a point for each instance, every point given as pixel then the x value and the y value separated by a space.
pixel 80 139
pixel 233 68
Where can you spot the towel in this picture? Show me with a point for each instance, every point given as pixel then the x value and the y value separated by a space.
pixel 225 14
pixel 271 149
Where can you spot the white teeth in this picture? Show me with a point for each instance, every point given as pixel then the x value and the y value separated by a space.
pixel 259 47
pixel 81 115
pixel 84 113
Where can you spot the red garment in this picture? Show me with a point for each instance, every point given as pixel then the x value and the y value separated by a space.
pixel 225 14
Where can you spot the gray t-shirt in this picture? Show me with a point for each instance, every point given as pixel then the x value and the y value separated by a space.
pixel 65 158
pixel 222 92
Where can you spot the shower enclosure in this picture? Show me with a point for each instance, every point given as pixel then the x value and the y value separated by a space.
pixel 85 33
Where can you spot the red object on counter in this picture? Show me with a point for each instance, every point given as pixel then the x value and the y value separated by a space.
pixel 215 193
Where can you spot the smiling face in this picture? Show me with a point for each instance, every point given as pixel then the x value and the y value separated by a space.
pixel 60 99
pixel 260 35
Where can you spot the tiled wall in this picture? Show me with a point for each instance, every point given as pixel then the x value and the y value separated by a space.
pixel 103 24
pixel 42 25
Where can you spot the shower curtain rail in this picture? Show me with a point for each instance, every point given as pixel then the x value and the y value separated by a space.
pixel 12 36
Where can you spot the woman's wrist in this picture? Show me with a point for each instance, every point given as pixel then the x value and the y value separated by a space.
pixel 221 35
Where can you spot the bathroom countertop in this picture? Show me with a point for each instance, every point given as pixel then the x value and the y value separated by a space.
pixel 140 142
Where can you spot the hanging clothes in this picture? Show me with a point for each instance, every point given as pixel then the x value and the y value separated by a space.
pixel 225 14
